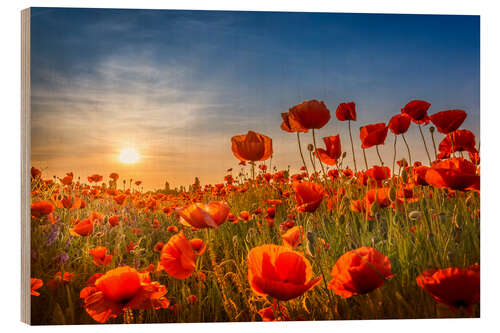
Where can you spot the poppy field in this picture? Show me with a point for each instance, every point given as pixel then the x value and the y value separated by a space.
pixel 395 240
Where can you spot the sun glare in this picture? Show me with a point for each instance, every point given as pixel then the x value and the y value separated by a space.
pixel 129 156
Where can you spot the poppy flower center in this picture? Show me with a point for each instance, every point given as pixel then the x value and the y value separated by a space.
pixel 119 285
pixel 460 303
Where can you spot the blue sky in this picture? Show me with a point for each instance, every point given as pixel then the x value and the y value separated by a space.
pixel 176 85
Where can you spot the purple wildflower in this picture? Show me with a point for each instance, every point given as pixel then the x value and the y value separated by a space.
pixel 61 259
pixel 53 234
pixel 68 241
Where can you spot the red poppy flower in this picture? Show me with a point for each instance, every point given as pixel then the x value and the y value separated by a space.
pixel 308 195
pixel 41 208
pixel 400 123
pixel 120 289
pixel 252 147
pixel 372 135
pixel 200 215
pixel 474 157
pixel 361 206
pixel 333 174
pixel 448 121
pixel 290 124
pixel 274 202
pixel 198 245
pixel 59 279
pixel 231 218
pixel 376 174
pixel 455 287
pixel 82 228
pixel 96 217
pixel 459 140
pixel 360 271
pixel 332 152
pixel 114 220
pixel 130 247
pixel 270 214
pixel 380 196
pixel 417 110
pixel 403 163
pixel 35 172
pixel 192 299
pixel 36 284
pixel 178 257
pixel 68 179
pixel 114 176
pixel 455 174
pixel 69 203
pixel 244 216
pixel 279 272
pixel 419 175
pixel 276 312
pixel 309 114
pixel 293 237
pixel 94 178
pixel 158 246
pixel 347 173
pixel 172 229
pixel 120 199
pixel 346 111
pixel 100 256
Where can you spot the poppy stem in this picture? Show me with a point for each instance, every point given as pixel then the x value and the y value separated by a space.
pixel 394 158
pixel 407 147
pixel 425 144
pixel 301 154
pixel 312 162
pixel 434 145
pixel 364 155
pixel 316 149
pixel 279 310
pixel 378 153
pixel 352 147
pixel 328 291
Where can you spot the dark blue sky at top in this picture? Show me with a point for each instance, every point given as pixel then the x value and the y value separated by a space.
pixel 258 64
pixel 292 56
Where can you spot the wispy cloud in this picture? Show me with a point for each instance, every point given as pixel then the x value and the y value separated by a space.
pixel 177 85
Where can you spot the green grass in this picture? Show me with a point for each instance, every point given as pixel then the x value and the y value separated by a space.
pixel 446 235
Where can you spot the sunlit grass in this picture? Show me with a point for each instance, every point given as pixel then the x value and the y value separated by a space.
pixel 446 235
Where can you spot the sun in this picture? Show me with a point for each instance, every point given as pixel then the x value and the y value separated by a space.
pixel 129 156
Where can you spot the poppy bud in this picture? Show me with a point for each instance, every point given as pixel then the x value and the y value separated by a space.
pixel 404 176
pixel 310 147
pixel 432 129
pixel 344 154
pixel 311 238
pixel 393 194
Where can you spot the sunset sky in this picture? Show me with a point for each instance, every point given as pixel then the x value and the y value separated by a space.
pixel 177 85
